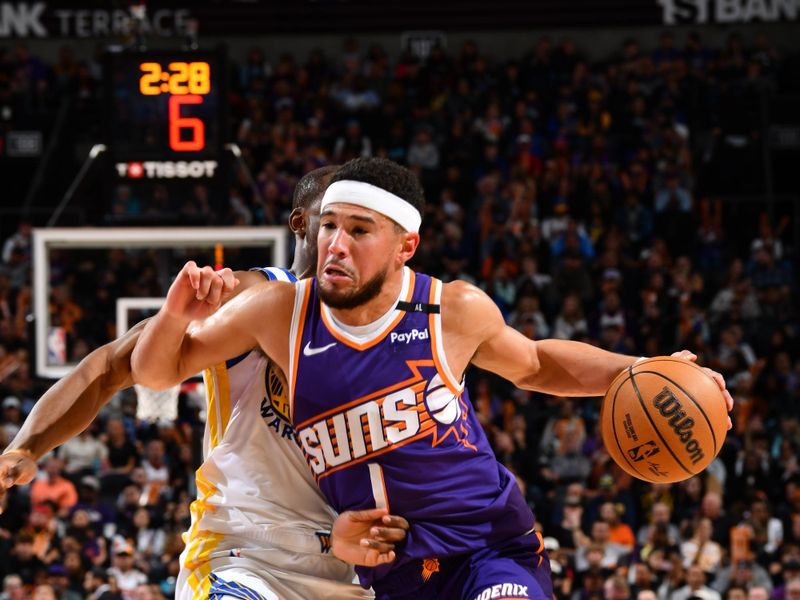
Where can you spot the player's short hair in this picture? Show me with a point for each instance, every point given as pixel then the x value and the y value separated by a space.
pixel 311 186
pixel 387 175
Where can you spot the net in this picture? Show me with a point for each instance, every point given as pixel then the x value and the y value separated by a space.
pixel 154 406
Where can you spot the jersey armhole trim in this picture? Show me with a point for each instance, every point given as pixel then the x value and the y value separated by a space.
pixel 218 407
pixel 301 295
pixel 437 345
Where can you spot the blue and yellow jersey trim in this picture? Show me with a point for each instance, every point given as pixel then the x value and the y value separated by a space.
pixel 276 274
pixel 231 589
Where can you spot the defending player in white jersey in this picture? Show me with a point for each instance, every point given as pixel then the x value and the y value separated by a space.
pixel 260 527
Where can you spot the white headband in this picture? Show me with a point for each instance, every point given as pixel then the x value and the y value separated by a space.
pixel 374 198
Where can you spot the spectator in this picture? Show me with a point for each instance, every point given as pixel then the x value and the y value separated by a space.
pixel 12 417
pixel 19 243
pixel 156 472
pixel 570 322
pixel 569 464
pixel 149 540
pixel 792 590
pixel 352 144
pixel 758 592
pixel 642 579
pixel 423 153
pixel 767 530
pixel 57 579
pixel 100 515
pixel 745 574
pixel 616 588
pixel 23 560
pixel 52 487
pixel 620 533
pixel 122 457
pixel 12 588
pixel 83 455
pixel 659 518
pixel 127 576
pixel 611 554
pixel 700 549
pixel 97 587
pixel 695 586
pixel 44 592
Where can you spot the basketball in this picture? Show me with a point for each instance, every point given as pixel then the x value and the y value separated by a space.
pixel 663 420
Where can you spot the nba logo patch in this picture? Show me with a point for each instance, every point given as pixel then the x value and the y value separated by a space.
pixel 643 451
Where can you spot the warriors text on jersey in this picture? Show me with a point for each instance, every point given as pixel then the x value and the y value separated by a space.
pixel 255 492
pixel 383 421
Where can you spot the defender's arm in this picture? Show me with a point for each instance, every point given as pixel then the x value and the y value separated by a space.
pixel 189 334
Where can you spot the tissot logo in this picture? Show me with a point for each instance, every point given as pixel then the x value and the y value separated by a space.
pixel 165 169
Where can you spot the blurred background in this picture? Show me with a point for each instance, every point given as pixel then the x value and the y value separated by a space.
pixel 621 173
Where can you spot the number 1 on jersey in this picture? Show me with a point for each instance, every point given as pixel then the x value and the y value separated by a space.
pixel 378 486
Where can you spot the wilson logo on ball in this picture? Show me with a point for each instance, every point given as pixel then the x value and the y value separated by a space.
pixel 671 408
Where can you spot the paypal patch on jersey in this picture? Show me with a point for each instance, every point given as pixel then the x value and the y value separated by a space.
pixel 413 336
pixel 391 428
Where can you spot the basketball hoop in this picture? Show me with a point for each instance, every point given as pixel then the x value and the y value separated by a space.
pixel 157 405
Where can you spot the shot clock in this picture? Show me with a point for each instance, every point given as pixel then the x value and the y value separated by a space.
pixel 166 106
pixel 165 132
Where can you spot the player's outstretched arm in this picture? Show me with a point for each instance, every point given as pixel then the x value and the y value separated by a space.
pixel 190 334
pixel 367 537
pixel 68 407
pixel 558 367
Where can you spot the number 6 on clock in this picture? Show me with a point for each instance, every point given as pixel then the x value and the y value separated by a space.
pixel 197 141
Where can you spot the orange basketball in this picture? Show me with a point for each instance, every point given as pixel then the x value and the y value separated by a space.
pixel 663 419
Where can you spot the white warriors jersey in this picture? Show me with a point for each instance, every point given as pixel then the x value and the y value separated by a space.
pixel 254 488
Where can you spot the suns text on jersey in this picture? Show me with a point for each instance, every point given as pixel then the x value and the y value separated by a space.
pixel 365 428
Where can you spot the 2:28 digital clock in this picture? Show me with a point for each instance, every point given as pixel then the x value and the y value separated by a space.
pixel 166 105
pixel 179 78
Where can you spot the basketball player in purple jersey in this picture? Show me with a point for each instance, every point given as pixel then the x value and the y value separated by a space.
pixel 375 361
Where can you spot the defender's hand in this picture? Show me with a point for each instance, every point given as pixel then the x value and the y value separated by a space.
pixel 367 537
pixel 17 467
pixel 686 355
pixel 197 292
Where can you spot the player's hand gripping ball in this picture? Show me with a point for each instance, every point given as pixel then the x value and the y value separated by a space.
pixel 664 419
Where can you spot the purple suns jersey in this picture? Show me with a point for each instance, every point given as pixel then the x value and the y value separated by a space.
pixel 383 422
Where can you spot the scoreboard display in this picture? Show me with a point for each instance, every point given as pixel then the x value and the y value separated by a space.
pixel 166 108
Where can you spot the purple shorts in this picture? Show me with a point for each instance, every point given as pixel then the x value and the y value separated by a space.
pixel 514 569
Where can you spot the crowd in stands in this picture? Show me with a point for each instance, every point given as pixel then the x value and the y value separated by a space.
pixel 585 197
